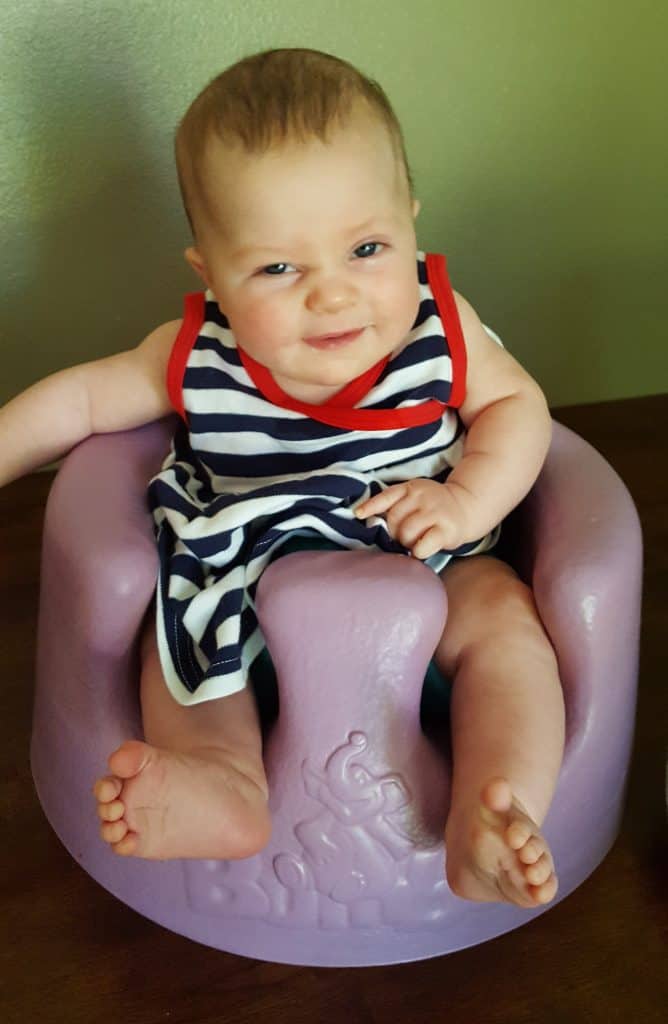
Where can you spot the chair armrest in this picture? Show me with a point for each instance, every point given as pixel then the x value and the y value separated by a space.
pixel 98 531
pixel 580 545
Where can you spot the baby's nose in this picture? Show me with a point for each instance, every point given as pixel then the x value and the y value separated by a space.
pixel 328 295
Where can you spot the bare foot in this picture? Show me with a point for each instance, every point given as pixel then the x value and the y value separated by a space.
pixel 161 804
pixel 499 854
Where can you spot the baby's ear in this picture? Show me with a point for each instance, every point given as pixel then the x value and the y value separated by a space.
pixel 416 208
pixel 196 260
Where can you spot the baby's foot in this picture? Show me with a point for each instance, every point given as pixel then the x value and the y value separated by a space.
pixel 161 804
pixel 495 852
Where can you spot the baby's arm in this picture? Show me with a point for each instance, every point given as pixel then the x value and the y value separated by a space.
pixel 116 393
pixel 508 435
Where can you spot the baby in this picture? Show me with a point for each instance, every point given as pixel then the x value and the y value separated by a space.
pixel 329 382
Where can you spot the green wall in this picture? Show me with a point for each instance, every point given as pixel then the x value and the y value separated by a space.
pixel 535 131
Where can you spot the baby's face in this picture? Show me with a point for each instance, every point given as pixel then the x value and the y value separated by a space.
pixel 310 251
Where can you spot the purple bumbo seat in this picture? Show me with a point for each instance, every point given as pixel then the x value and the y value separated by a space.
pixel 353 874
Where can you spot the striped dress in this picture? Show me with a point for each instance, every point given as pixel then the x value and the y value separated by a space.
pixel 251 467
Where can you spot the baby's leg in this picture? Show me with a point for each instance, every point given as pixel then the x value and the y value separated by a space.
pixel 507 718
pixel 196 787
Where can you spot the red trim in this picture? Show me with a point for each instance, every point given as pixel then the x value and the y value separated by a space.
pixel 439 282
pixel 193 318
pixel 343 399
pixel 337 411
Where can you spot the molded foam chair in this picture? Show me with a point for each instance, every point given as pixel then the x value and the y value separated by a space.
pixel 354 872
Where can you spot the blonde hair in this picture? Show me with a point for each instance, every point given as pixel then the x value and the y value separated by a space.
pixel 273 97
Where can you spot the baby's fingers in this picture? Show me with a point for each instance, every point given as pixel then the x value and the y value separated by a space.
pixel 428 544
pixel 381 502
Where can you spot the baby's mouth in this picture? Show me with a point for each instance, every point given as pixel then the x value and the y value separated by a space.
pixel 334 340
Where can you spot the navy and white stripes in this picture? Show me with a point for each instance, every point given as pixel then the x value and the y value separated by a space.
pixel 245 474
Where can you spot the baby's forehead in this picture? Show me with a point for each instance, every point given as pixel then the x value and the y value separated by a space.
pixel 356 163
pixel 364 149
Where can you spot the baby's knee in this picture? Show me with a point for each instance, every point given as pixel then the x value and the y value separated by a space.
pixel 487 599
pixel 505 599
pixel 510 623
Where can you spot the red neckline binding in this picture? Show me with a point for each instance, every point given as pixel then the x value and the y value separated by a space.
pixel 346 398
pixel 339 410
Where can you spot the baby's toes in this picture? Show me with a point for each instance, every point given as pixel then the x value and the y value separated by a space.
pixel 107 789
pixel 518 835
pixel 539 873
pixel 113 831
pixel 546 892
pixel 113 811
pixel 127 846
pixel 533 849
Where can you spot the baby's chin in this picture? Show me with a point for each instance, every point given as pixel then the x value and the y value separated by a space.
pixel 314 392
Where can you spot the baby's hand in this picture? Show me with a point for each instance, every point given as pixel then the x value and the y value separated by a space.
pixel 423 515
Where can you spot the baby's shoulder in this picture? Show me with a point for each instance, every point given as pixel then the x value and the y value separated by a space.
pixel 160 341
pixel 152 355
pixel 468 317
pixel 130 388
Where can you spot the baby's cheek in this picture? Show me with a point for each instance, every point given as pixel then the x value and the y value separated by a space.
pixel 400 304
pixel 253 318
pixel 263 325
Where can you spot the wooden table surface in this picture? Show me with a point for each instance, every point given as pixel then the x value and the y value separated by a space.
pixel 70 952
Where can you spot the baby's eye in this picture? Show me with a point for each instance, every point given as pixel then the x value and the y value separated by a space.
pixel 368 249
pixel 277 268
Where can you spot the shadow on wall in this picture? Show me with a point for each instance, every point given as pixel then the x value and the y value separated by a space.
pixel 549 214
pixel 92 240
pixel 546 297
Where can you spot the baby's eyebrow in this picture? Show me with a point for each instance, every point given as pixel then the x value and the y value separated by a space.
pixel 361 229
pixel 256 252
pixel 259 252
